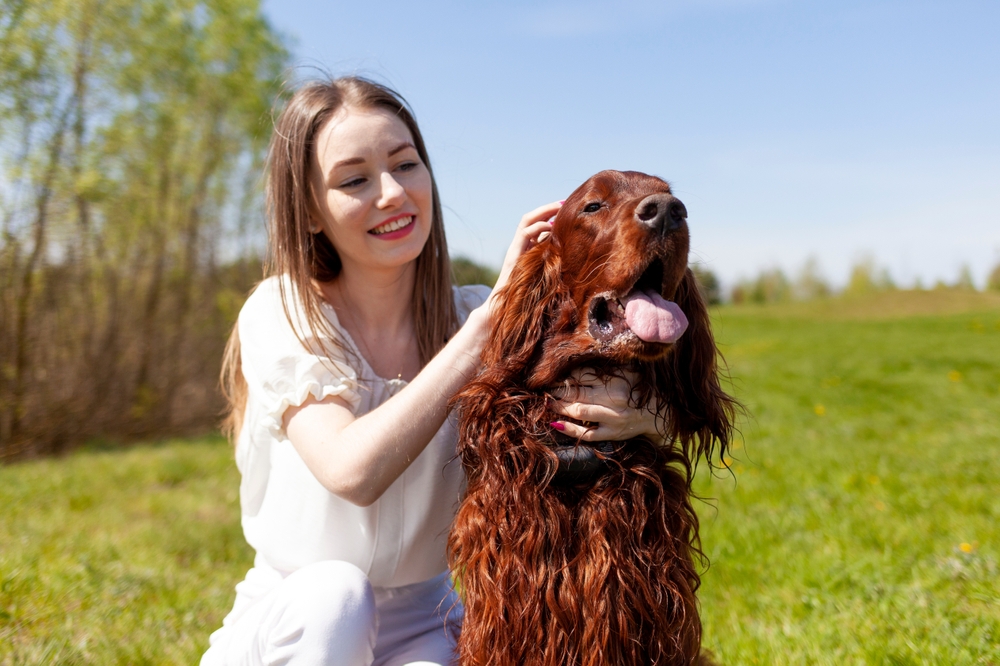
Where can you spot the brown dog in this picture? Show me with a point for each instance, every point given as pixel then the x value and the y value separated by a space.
pixel 577 553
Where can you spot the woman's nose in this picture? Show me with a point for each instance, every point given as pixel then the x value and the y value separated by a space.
pixel 392 192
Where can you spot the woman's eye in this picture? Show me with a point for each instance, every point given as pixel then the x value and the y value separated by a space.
pixel 592 208
pixel 354 182
pixel 407 166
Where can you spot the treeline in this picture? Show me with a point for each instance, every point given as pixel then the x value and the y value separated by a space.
pixel 866 277
pixel 131 137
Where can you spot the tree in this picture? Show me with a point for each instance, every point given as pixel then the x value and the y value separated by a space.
pixel 993 281
pixel 965 280
pixel 866 277
pixel 134 133
pixel 810 283
pixel 770 286
pixel 708 283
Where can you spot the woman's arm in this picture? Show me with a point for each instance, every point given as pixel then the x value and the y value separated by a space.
pixel 358 458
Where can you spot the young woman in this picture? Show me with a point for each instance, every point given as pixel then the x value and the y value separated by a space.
pixel 339 373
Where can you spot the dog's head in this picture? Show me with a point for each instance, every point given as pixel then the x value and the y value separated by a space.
pixel 622 242
pixel 610 289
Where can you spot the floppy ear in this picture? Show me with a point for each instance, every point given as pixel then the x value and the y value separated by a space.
pixel 524 309
pixel 496 408
pixel 700 414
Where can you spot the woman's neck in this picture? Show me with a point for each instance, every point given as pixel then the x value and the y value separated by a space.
pixel 376 308
pixel 375 300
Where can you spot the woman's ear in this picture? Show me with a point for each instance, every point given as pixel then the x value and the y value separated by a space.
pixel 700 412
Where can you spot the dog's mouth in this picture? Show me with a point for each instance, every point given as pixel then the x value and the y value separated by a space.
pixel 641 312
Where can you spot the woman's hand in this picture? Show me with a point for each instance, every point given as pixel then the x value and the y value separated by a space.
pixel 604 402
pixel 529 232
pixel 532 225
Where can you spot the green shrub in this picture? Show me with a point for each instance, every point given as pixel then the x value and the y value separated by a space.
pixel 466 271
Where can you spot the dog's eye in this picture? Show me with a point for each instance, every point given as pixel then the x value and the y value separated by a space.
pixel 592 208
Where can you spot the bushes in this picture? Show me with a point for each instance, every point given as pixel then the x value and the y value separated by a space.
pixel 770 286
pixel 131 139
pixel 993 281
pixel 465 271
pixel 866 278
pixel 708 283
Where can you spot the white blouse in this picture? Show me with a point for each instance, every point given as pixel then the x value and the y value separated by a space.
pixel 288 516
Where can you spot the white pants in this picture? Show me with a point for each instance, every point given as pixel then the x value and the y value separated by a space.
pixel 328 614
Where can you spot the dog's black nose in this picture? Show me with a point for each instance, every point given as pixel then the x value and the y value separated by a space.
pixel 662 212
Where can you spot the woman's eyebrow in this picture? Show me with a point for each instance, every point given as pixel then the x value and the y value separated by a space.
pixel 348 162
pixel 332 173
pixel 402 146
pixel 360 160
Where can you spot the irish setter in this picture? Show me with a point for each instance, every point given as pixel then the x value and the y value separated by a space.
pixel 576 553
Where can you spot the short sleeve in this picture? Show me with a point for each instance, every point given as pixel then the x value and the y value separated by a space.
pixel 280 370
pixel 468 298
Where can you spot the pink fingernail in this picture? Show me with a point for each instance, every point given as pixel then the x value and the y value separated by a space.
pixel 558 425
pixel 562 202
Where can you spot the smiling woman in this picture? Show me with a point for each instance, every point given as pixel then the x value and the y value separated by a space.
pixel 336 444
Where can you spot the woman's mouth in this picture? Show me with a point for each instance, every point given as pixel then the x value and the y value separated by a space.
pixel 394 226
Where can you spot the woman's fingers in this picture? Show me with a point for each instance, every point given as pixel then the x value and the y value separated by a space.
pixel 584 434
pixel 599 432
pixel 608 431
pixel 533 233
pixel 600 422
pixel 584 386
pixel 582 411
pixel 541 213
pixel 531 227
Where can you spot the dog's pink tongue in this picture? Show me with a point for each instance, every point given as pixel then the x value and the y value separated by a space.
pixel 653 318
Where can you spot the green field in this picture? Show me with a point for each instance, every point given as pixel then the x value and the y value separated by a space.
pixel 860 524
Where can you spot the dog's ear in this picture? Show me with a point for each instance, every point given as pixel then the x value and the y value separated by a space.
pixel 700 414
pixel 523 309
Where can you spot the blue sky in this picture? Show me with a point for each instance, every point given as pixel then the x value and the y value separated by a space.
pixel 789 129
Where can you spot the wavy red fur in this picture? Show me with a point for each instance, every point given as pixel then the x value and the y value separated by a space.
pixel 598 572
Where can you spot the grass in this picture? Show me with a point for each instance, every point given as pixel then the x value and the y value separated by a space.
pixel 860 524
pixel 124 557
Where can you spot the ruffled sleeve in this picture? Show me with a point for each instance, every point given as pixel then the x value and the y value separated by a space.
pixel 280 371
pixel 468 298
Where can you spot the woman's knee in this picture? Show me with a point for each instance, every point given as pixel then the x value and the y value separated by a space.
pixel 332 589
pixel 322 613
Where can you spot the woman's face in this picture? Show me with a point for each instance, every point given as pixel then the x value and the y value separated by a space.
pixel 372 189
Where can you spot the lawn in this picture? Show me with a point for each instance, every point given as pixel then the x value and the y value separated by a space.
pixel 859 525
pixel 862 522
pixel 119 557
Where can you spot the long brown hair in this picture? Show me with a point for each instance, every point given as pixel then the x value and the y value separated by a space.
pixel 303 256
